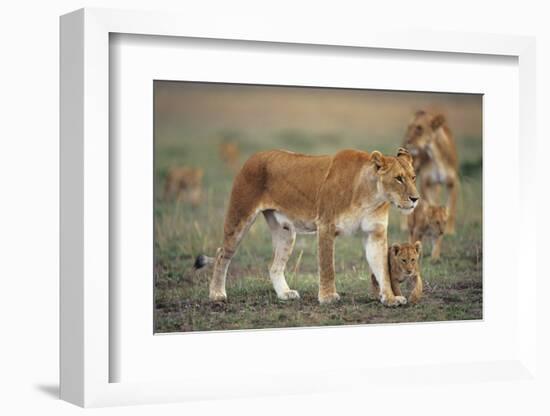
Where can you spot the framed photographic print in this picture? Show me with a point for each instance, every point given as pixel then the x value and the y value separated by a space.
pixel 287 211
pixel 213 140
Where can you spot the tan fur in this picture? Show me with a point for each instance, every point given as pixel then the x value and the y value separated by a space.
pixel 230 154
pixel 184 184
pixel 327 195
pixel 404 264
pixel 428 221
pixel 432 145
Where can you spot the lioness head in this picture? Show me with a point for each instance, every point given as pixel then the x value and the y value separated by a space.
pixel 404 260
pixel 396 179
pixel 421 131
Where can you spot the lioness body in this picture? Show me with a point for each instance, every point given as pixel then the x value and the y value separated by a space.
pixel 327 195
pixel 433 147
pixel 428 221
pixel 404 264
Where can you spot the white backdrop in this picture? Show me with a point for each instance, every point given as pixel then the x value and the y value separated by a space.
pixel 29 208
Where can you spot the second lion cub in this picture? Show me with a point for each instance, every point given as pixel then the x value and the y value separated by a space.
pixel 404 264
pixel 428 221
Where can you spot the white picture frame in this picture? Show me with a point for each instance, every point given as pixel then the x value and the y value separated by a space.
pixel 86 357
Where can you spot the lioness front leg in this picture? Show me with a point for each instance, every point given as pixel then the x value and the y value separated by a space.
pixel 376 247
pixel 374 286
pixel 327 285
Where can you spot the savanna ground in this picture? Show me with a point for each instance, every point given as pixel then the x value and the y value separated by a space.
pixel 188 129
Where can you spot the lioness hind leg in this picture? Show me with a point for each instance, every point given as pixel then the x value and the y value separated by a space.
pixel 283 237
pixel 233 234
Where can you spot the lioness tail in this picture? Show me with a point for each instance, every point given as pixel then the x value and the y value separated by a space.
pixel 202 261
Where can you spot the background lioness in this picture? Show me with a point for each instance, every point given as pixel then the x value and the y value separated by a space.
pixel 433 147
pixel 330 195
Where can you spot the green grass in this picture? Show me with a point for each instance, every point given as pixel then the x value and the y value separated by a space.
pixel 453 287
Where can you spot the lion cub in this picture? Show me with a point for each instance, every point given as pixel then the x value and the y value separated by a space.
pixel 230 154
pixel 428 221
pixel 404 264
pixel 184 183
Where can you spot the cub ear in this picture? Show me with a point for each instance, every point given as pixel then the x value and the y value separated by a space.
pixel 418 247
pixel 404 153
pixel 437 121
pixel 379 161
pixel 395 248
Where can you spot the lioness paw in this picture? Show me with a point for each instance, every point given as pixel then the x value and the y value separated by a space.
pixel 289 295
pixel 218 297
pixel 393 300
pixel 330 298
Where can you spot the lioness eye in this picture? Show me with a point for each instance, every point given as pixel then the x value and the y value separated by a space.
pixel 403 260
pixel 399 179
pixel 414 178
pixel 419 129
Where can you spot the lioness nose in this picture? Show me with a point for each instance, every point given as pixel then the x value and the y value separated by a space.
pixel 413 198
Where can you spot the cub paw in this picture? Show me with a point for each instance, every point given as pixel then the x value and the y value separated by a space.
pixel 218 297
pixel 289 295
pixel 328 299
pixel 402 300
pixel 413 300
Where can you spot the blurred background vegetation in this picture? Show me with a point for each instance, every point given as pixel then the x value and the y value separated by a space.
pixel 193 119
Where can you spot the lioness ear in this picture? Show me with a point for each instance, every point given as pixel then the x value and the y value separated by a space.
pixel 418 247
pixel 446 213
pixel 404 153
pixel 378 160
pixel 438 121
pixel 395 249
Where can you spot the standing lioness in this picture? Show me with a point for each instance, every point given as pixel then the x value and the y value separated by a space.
pixel 330 195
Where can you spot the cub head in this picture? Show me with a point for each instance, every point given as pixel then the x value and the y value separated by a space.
pixel 404 260
pixel 436 220
pixel 396 179
pixel 421 131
